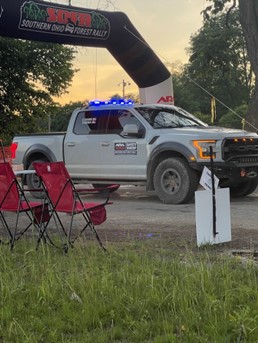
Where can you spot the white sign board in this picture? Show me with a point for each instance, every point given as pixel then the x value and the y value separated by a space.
pixel 206 180
pixel 204 217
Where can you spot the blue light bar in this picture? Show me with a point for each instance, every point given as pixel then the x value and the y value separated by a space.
pixel 111 102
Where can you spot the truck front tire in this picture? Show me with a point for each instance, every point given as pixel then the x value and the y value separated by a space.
pixel 174 181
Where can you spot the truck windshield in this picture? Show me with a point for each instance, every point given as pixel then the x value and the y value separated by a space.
pixel 160 117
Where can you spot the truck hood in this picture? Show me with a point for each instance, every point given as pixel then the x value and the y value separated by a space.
pixel 212 132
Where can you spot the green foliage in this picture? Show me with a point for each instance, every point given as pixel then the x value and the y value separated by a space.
pixel 217 7
pixel 116 96
pixel 204 117
pixel 131 96
pixel 31 72
pixel 185 96
pixel 234 119
pixel 133 293
pixel 134 97
pixel 248 14
pixel 60 116
pixel 218 65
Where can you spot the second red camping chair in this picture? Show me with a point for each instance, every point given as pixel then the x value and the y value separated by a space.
pixel 65 198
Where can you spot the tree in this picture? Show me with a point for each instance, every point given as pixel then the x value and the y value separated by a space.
pixel 31 72
pixel 230 119
pixel 248 10
pixel 185 93
pixel 219 63
pixel 60 116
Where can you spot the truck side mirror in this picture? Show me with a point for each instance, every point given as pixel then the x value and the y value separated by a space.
pixel 131 130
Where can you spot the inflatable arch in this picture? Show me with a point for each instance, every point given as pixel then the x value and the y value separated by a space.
pixel 50 22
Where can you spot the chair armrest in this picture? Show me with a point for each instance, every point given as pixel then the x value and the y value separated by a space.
pixel 105 192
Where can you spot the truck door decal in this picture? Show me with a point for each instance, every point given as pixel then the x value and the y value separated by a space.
pixel 125 148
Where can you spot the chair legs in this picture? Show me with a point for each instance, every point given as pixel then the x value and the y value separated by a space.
pixel 16 230
pixel 8 231
pixel 92 228
pixel 67 233
pixel 89 224
pixel 40 219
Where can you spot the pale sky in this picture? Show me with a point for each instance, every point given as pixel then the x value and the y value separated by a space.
pixel 166 25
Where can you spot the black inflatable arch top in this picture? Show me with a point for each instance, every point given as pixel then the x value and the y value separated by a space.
pixel 50 22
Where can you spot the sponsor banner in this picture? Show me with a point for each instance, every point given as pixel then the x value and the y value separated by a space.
pixel 48 18
pixel 50 22
pixel 125 148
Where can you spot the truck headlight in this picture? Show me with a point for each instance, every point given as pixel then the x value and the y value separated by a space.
pixel 203 148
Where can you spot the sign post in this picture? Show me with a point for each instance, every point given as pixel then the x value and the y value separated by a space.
pixel 213 194
pixel 212 209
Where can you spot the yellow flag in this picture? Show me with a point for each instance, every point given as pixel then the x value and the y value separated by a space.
pixel 213 110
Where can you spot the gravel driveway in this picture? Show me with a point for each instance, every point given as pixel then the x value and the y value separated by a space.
pixel 137 215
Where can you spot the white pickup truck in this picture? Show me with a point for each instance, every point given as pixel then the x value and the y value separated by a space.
pixel 161 146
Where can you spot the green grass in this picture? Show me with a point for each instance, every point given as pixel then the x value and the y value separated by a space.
pixel 133 293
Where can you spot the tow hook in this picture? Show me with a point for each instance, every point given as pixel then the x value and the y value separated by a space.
pixel 252 174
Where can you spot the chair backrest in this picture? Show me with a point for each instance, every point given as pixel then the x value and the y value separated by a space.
pixel 58 184
pixel 9 194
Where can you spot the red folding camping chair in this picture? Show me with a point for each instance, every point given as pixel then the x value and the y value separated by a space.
pixel 13 199
pixel 64 197
pixel 5 153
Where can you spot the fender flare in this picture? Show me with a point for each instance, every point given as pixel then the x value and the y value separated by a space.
pixel 37 149
pixel 162 151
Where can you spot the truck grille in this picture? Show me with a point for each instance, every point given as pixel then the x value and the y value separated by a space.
pixel 240 150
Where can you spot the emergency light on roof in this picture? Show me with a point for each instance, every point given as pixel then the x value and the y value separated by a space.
pixel 111 102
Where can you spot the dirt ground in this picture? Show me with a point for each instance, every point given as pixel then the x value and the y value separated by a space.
pixel 181 238
pixel 136 216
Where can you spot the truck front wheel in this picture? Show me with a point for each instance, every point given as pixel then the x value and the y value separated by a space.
pixel 174 181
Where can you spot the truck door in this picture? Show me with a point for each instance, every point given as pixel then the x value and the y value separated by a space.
pixel 82 144
pixel 121 156
pixel 96 147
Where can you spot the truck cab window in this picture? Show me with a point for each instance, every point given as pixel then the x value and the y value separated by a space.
pixel 91 122
pixel 114 125
pixel 105 122
pixel 80 126
pixel 126 117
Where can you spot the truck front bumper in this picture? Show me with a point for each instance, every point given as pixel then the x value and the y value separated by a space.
pixel 230 173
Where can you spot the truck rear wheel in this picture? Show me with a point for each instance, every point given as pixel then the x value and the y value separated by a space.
pixel 174 181
pixel 33 182
pixel 244 188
